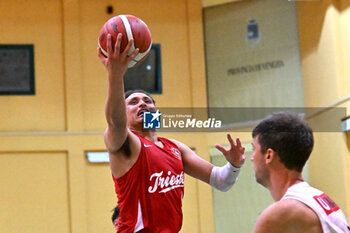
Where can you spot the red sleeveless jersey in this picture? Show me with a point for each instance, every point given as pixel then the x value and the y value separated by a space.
pixel 150 193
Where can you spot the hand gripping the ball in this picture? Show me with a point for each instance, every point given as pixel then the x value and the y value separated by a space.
pixel 117 61
pixel 130 27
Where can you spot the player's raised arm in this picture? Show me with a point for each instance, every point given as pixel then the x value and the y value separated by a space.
pixel 221 178
pixel 116 64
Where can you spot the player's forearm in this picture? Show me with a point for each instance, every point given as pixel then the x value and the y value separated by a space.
pixel 223 178
pixel 115 104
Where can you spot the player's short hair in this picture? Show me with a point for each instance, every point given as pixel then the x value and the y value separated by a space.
pixel 115 214
pixel 289 136
pixel 130 92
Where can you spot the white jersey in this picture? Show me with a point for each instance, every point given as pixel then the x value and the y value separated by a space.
pixel 331 217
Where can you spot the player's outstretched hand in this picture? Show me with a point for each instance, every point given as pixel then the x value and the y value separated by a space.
pixel 235 155
pixel 117 61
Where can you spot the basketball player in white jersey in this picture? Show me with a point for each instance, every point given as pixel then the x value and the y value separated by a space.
pixel 282 143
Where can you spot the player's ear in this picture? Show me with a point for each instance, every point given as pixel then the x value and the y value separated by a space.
pixel 269 155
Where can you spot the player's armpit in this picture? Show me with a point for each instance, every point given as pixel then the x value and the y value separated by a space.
pixel 125 148
pixel 125 157
pixel 127 145
pixel 115 139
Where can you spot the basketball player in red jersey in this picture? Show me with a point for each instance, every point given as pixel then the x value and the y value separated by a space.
pixel 148 171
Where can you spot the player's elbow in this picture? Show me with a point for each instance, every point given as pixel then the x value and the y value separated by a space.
pixel 223 178
pixel 224 186
pixel 227 187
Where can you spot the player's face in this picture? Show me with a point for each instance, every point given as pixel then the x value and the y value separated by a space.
pixel 258 159
pixel 136 105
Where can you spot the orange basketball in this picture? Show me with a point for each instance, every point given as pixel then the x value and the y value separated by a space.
pixel 130 27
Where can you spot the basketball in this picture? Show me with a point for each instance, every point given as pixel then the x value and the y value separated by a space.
pixel 130 27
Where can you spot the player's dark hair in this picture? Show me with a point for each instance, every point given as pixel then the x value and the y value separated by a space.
pixel 289 136
pixel 130 92
pixel 115 214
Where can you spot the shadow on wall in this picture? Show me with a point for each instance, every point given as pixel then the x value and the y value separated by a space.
pixel 311 16
pixel 344 4
pixel 347 135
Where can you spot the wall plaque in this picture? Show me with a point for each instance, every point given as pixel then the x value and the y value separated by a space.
pixel 17 69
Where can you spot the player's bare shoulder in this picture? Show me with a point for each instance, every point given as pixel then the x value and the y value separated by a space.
pixel 297 212
pixel 291 215
pixel 183 147
pixel 269 220
pixel 185 150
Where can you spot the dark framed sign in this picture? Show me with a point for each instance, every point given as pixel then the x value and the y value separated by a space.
pixel 147 75
pixel 17 69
